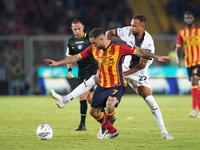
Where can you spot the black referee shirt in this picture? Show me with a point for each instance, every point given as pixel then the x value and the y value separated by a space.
pixel 75 46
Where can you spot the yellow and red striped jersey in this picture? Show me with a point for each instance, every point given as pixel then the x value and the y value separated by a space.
pixel 191 42
pixel 110 63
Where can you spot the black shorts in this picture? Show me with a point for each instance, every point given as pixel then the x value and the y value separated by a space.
pixel 194 71
pixel 85 75
pixel 101 95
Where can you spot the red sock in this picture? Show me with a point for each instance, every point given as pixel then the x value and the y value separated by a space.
pixel 107 123
pixel 108 116
pixel 109 126
pixel 194 94
pixel 198 99
pixel 100 119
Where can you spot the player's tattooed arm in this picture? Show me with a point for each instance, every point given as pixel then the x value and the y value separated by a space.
pixel 146 54
pixel 68 60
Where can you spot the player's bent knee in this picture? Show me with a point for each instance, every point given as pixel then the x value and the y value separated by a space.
pixel 95 113
pixel 92 112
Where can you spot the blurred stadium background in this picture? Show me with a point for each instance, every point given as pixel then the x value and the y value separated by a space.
pixel 32 30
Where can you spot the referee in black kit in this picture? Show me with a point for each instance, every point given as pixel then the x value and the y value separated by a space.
pixel 87 66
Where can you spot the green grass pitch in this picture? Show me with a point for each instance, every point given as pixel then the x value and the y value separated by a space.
pixel 21 115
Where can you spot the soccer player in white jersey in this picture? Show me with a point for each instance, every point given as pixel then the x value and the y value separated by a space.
pixel 135 68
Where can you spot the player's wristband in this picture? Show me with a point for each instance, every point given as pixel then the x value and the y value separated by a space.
pixel 69 69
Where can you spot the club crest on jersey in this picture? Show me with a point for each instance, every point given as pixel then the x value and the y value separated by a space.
pixel 110 52
pixel 79 47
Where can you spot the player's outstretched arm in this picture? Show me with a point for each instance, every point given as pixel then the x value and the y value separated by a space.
pixel 162 58
pixel 68 60
pixel 144 53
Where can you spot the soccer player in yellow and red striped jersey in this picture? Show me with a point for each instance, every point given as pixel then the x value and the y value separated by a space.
pixel 112 84
pixel 189 37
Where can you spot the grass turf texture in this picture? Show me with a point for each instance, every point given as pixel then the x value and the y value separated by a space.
pixel 21 115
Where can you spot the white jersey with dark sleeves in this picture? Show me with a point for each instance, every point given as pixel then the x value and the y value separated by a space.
pixel 140 78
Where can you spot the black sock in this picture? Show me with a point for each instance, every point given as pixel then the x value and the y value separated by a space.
pixel 83 110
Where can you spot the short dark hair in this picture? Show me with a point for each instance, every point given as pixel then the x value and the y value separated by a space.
pixel 141 18
pixel 75 21
pixel 96 32
pixel 188 13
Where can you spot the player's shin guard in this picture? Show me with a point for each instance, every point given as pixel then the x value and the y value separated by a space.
pixel 84 87
pixel 194 94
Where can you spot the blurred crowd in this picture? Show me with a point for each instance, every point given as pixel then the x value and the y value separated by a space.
pixel 30 17
pixel 176 8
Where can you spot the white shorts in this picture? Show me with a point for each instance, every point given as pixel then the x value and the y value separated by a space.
pixel 140 78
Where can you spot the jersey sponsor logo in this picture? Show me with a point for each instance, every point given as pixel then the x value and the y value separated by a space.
pixel 192 42
pixel 79 47
pixel 106 63
pixel 98 52
pixel 103 57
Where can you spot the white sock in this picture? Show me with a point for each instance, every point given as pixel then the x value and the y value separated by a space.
pixel 156 112
pixel 84 87
pixel 67 98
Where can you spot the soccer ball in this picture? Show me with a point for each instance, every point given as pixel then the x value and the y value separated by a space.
pixel 44 132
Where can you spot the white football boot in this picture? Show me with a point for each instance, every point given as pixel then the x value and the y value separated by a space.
pixel 193 113
pixel 102 133
pixel 111 135
pixel 198 115
pixel 167 136
pixel 58 99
